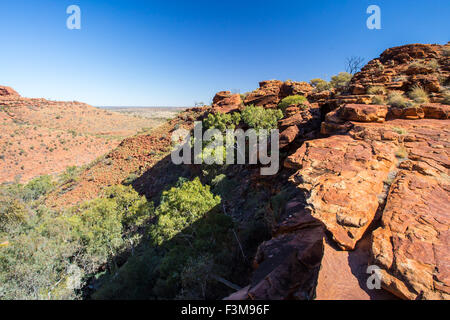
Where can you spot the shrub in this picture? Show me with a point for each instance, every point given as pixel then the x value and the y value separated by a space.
pixel 380 100
pixel 182 206
pixel 398 130
pixel 397 99
pixel 376 90
pixel 417 65
pixel 70 175
pixel 341 80
pixel 189 242
pixel 401 153
pixel 222 121
pixel 320 84
pixel 36 264
pixel 446 97
pixel 12 213
pixel 433 64
pixel 290 100
pixel 260 118
pixel 104 225
pixel 130 179
pixel 38 187
pixel 418 94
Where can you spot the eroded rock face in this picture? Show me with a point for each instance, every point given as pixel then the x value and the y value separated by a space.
pixel 363 113
pixel 372 190
pixel 301 123
pixel 8 92
pixel 436 111
pixel 401 68
pixel 342 178
pixel 267 95
pixel 412 245
pixel 271 92
pixel 226 102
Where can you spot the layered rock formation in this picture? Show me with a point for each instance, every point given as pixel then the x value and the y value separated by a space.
pixel 271 92
pixel 226 102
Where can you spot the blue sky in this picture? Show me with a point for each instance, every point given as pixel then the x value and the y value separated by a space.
pixel 172 53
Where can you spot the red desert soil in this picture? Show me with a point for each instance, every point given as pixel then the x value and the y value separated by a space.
pixel 39 136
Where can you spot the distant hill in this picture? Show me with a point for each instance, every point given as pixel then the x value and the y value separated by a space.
pixel 39 136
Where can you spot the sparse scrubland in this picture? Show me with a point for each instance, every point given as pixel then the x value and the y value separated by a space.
pixel 362 180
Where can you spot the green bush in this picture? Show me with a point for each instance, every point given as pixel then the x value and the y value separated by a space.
pixel 341 80
pixel 180 207
pixel 260 118
pixel 70 175
pixel 320 84
pixel 418 94
pixel 188 244
pixel 38 187
pixel 222 121
pixel 12 214
pixel 290 100
pixel 105 225
pixel 37 263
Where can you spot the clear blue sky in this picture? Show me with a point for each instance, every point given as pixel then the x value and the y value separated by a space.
pixel 172 53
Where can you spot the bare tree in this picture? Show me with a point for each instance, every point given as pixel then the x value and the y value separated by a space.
pixel 353 64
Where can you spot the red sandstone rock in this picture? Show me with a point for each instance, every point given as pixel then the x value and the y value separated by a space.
pixel 363 113
pixel 226 102
pixel 343 275
pixel 271 92
pixel 8 92
pixel 436 111
pixel 267 95
pixel 411 246
pixel 341 179
pixel 288 135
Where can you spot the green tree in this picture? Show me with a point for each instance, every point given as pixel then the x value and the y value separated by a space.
pixel 320 84
pixel 260 118
pixel 180 207
pixel 341 80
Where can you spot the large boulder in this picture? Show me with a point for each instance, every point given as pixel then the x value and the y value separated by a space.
pixel 267 95
pixel 226 102
pixel 363 113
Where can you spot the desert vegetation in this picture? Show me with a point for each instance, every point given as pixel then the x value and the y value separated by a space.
pixel 398 99
pixel 320 84
pixel 418 94
pixel 293 100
